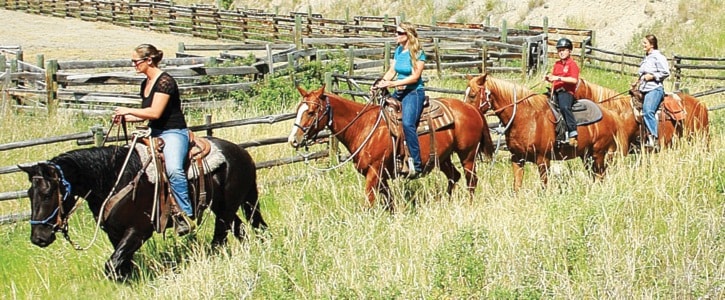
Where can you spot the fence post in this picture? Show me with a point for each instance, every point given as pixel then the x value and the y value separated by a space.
pixel 546 43
pixel 291 66
pixel 621 63
pixel 437 51
pixel 484 57
pixel 51 85
pixel 5 84
pixel 298 32
pixel 678 72
pixel 583 54
pixel 270 59
pixel 98 135
pixel 351 62
pixel 386 57
pixel 181 48
pixel 524 60
pixel 334 145
pixel 207 121
pixel 40 60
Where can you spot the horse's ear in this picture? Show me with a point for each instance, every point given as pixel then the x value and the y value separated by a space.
pixel 31 170
pixel 321 90
pixel 481 80
pixel 302 91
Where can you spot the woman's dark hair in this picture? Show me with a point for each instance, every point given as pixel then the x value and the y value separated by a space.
pixel 652 40
pixel 149 51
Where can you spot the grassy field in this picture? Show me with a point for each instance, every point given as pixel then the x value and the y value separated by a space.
pixel 654 228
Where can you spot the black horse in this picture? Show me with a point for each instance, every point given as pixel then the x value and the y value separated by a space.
pixel 92 173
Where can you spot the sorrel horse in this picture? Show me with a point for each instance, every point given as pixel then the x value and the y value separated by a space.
pixel 91 173
pixel 359 127
pixel 531 129
pixel 696 119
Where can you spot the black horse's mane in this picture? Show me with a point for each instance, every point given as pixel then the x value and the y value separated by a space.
pixel 96 168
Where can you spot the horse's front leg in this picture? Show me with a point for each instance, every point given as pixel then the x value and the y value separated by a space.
pixel 598 166
pixel 120 265
pixel 374 182
pixel 543 164
pixel 518 169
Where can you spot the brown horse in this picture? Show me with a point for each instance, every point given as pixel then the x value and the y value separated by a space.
pixel 696 122
pixel 531 129
pixel 359 127
pixel 696 119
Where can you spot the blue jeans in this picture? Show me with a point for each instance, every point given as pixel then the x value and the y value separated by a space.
pixel 652 100
pixel 412 106
pixel 176 149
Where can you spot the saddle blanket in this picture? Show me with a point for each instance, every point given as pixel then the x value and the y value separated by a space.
pixel 585 112
pixel 212 161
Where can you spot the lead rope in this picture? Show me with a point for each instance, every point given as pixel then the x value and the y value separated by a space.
pixel 110 194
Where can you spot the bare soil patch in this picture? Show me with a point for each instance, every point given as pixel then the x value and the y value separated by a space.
pixel 73 39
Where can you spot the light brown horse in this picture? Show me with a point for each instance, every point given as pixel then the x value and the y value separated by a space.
pixel 696 122
pixel 531 129
pixel 359 127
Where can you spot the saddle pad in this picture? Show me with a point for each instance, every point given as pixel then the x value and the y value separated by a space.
pixel 440 114
pixel 212 161
pixel 585 112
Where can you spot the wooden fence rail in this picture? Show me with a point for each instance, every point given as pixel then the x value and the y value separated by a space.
pixel 703 68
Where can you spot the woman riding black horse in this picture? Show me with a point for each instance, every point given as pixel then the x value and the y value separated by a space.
pixel 92 173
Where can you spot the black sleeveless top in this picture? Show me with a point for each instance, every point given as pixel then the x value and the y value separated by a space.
pixel 172 117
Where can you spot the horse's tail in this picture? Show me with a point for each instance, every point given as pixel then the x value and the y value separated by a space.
pixel 486 145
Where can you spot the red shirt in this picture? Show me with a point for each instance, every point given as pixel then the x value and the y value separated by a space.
pixel 565 68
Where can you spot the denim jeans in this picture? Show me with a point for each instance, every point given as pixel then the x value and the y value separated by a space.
pixel 412 106
pixel 652 100
pixel 176 149
pixel 566 101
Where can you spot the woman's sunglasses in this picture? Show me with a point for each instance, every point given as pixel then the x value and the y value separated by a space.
pixel 401 33
pixel 137 62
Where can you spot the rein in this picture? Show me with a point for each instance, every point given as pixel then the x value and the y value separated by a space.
pixel 357 151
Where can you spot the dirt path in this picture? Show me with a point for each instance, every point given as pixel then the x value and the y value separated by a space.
pixel 73 39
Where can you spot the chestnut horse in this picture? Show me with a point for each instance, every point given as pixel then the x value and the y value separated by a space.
pixel 696 119
pixel 531 128
pixel 359 127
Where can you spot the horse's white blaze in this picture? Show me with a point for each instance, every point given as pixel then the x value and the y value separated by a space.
pixel 294 138
pixel 467 93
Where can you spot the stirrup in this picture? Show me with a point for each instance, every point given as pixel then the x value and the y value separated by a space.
pixel 183 225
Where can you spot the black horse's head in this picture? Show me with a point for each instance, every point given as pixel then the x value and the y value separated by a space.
pixel 50 201
pixel 313 114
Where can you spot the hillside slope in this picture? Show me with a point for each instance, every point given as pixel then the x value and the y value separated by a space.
pixel 615 21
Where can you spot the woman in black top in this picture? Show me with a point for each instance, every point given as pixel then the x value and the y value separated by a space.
pixel 161 106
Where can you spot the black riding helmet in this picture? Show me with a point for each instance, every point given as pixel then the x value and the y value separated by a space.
pixel 564 43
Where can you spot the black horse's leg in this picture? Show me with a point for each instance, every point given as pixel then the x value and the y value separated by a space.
pixel 120 265
pixel 221 227
pixel 251 209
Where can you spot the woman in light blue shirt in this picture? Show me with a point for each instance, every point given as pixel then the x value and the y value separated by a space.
pixel 652 71
pixel 408 63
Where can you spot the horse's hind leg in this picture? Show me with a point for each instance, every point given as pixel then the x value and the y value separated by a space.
pixel 451 173
pixel 251 209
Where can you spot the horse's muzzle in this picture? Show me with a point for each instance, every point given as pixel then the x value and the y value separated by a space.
pixel 42 237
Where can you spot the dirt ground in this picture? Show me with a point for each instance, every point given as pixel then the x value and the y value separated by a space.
pixel 73 39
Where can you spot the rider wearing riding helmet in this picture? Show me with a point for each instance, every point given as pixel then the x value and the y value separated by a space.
pixel 564 78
